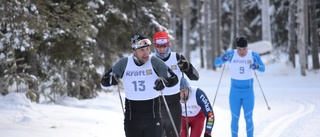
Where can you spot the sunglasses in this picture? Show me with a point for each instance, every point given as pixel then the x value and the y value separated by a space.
pixel 144 42
pixel 141 44
pixel 161 45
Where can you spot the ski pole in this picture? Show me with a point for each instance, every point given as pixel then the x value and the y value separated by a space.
pixel 120 99
pixel 185 107
pixel 262 90
pixel 215 96
pixel 169 113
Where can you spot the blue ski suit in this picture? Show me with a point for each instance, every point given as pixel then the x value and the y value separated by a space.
pixel 241 90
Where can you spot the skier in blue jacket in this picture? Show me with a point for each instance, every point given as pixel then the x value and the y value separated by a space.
pixel 242 64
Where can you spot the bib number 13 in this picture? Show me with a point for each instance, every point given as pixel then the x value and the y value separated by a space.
pixel 139 85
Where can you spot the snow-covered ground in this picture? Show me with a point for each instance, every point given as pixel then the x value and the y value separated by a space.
pixel 294 102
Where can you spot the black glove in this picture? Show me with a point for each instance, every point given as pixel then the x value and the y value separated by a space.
pixel 207 135
pixel 114 79
pixel 110 79
pixel 160 83
pixel 183 64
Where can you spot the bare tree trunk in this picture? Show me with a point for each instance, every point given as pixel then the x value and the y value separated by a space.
pixel 212 29
pixel 186 48
pixel 266 35
pixel 206 13
pixel 210 55
pixel 241 25
pixel 31 58
pixel 216 28
pixel 314 35
pixel 174 14
pixel 172 26
pixel 72 83
pixel 292 33
pixel 306 26
pixel 302 33
pixel 235 23
pixel 200 33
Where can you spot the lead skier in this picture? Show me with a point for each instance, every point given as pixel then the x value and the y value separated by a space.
pixel 242 64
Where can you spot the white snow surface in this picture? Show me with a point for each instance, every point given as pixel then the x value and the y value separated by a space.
pixel 293 99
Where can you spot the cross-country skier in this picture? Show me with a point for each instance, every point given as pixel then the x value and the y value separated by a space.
pixel 141 74
pixel 199 110
pixel 242 64
pixel 179 64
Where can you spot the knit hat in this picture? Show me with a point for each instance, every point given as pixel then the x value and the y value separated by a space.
pixel 136 38
pixel 184 84
pixel 161 38
pixel 139 41
pixel 242 42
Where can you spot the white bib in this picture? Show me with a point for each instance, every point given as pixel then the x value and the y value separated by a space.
pixel 240 66
pixel 192 106
pixel 139 81
pixel 172 63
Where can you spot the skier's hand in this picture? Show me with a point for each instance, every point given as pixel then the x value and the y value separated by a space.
pixel 160 83
pixel 225 57
pixel 254 65
pixel 183 64
pixel 110 79
pixel 207 135
pixel 114 79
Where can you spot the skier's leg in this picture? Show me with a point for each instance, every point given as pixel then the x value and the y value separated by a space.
pixel 248 105
pixel 165 120
pixel 183 132
pixel 235 105
pixel 176 112
pixel 153 128
pixel 133 128
pixel 197 125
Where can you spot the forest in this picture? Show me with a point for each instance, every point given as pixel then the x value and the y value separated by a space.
pixel 56 48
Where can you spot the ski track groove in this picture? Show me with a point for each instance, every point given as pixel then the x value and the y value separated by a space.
pixel 277 126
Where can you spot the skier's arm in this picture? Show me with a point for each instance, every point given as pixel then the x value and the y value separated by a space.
pixel 219 61
pixel 192 72
pixel 206 108
pixel 257 59
pixel 111 77
pixel 120 66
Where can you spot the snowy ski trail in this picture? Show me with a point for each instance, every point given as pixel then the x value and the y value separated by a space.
pixel 277 126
